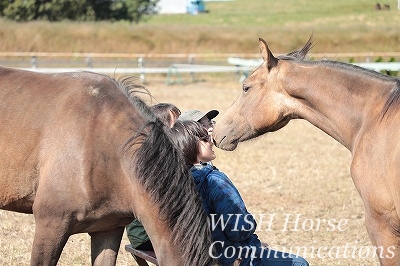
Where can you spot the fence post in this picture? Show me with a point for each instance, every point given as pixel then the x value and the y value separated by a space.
pixel 141 65
pixel 34 61
pixel 191 61
pixel 89 62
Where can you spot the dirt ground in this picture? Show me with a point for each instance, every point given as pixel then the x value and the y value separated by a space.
pixel 295 181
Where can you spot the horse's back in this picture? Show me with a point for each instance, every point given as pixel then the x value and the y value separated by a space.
pixel 53 127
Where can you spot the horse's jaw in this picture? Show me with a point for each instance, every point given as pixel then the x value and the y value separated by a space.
pixel 278 125
pixel 229 139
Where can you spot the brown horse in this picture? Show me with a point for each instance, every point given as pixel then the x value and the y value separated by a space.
pixel 84 154
pixel 357 107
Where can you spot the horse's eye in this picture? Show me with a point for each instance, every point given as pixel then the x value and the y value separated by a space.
pixel 246 88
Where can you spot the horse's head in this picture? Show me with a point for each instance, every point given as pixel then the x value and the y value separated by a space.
pixel 262 104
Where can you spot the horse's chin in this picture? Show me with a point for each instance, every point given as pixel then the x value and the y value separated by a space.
pixel 226 145
pixel 231 144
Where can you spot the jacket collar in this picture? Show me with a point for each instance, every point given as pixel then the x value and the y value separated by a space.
pixel 200 172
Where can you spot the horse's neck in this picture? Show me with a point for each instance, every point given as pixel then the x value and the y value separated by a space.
pixel 336 101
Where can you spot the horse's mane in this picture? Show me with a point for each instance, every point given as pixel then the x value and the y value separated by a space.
pixel 394 97
pixel 393 100
pixel 161 169
pixel 299 53
pixel 302 52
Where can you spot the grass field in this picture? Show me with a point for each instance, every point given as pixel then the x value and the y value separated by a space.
pixel 228 27
pixel 298 171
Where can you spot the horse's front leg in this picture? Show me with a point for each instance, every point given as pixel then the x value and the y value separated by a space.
pixel 49 241
pixel 383 230
pixel 105 246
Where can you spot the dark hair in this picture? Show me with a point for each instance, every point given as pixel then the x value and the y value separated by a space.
pixel 187 135
pixel 158 164
pixel 163 111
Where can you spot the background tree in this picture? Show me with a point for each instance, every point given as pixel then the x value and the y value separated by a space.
pixel 81 10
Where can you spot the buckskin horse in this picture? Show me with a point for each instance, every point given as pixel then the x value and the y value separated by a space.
pixel 83 153
pixel 357 107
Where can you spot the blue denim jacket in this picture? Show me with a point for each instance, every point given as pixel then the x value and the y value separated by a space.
pixel 231 224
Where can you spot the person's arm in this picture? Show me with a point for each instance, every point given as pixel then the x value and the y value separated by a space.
pixel 231 213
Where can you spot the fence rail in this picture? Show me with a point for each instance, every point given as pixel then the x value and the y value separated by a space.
pixel 106 60
pixel 171 64
pixel 365 56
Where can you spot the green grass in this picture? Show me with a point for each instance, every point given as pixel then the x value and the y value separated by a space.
pixel 268 13
pixel 228 27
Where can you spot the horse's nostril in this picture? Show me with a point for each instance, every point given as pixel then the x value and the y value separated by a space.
pixel 219 144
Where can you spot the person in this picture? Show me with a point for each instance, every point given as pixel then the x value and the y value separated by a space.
pixel 206 119
pixel 168 114
pixel 232 226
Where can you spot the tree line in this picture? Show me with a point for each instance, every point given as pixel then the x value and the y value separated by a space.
pixel 77 10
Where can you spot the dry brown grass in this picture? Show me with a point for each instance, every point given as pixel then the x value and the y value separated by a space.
pixel 228 27
pixel 332 35
pixel 298 170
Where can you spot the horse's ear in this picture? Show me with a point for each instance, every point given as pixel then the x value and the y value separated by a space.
pixel 267 54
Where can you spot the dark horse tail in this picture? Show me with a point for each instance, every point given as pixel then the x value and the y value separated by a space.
pixel 160 167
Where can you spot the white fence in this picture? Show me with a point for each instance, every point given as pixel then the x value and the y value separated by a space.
pixel 89 59
pixel 377 66
pixel 167 63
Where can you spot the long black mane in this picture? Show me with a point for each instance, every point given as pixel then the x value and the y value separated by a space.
pixel 161 169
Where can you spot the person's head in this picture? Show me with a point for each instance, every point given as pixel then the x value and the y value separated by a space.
pixel 195 142
pixel 166 112
pixel 206 119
